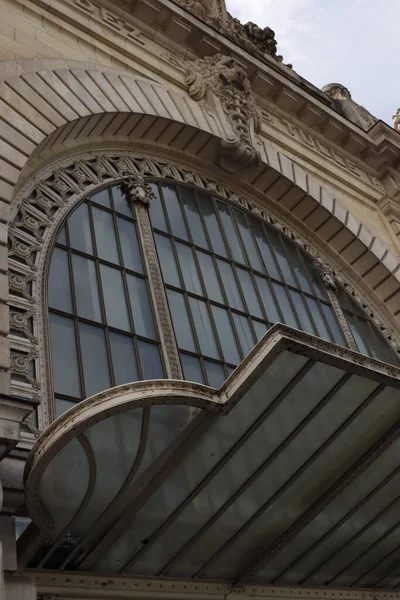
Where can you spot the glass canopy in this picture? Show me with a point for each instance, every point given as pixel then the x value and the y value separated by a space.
pixel 286 473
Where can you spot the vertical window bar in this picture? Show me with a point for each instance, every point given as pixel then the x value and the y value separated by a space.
pixel 102 302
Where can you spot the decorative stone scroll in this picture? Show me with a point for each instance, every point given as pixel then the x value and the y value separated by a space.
pixel 52 195
pixel 223 83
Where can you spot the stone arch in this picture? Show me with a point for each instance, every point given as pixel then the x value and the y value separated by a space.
pixel 42 205
pixel 44 102
pixel 53 108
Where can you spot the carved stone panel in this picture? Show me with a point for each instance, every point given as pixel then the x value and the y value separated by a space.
pixel 223 84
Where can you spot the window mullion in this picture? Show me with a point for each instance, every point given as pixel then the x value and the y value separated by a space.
pixel 139 193
pixel 337 309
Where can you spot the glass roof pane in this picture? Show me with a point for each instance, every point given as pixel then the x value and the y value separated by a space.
pixel 115 443
pixel 325 534
pixel 209 451
pixel 64 484
pixel 287 485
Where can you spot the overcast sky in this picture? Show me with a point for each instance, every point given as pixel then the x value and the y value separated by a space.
pixel 352 42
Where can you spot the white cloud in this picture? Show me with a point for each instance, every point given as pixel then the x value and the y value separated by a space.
pixel 353 42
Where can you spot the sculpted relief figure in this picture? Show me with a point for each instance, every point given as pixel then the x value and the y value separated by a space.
pixel 223 83
pixel 259 42
pixel 396 120
pixel 208 10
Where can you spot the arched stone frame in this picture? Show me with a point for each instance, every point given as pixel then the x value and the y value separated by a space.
pixel 51 106
pixel 61 186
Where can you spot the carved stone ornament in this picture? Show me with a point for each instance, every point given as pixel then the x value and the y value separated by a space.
pixel 137 190
pixel 223 83
pixel 256 40
pixel 396 120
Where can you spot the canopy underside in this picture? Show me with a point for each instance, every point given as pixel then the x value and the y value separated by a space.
pixel 288 474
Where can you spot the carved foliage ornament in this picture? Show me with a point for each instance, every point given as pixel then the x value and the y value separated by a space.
pixel 256 40
pixel 223 83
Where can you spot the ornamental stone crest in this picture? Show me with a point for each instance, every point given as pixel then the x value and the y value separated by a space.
pixel 208 10
pixel 396 120
pixel 223 83
pixel 256 40
pixel 137 190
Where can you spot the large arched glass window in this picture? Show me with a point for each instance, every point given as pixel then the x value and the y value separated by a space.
pixel 229 277
pixel 102 328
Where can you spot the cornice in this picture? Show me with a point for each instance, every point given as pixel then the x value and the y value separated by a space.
pixel 85 585
pixel 185 36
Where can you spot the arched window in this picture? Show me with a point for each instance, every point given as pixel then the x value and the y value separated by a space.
pixel 228 277
pixel 102 327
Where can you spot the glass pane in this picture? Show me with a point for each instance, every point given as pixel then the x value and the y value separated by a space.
pixel 211 282
pixel 304 317
pixel 141 307
pixel 167 260
pixel 105 235
pixel 123 358
pixel 114 298
pixel 86 288
pixel 80 236
pixel 61 406
pixel 249 293
pixel 226 335
pixel 96 373
pixel 260 329
pixel 315 278
pixel 297 266
pixel 59 282
pixel 204 330
pixel 211 221
pixel 285 306
pixel 354 307
pixel 353 324
pixel 64 356
pixel 268 300
pixel 248 240
pixel 176 220
pixel 129 245
pixel 368 336
pixel 156 210
pixel 230 232
pixel 193 218
pixel 215 374
pixel 62 237
pixel 121 202
pixel 334 325
pixel 230 284
pixel 189 269
pixel 318 319
pixel 180 319
pixel 244 333
pixel 150 360
pixel 191 368
pixel 269 260
pixel 102 197
pixel 282 259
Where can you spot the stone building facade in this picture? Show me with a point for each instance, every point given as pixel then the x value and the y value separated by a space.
pixel 179 207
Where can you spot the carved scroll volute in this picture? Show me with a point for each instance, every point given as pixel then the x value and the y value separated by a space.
pixel 223 84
